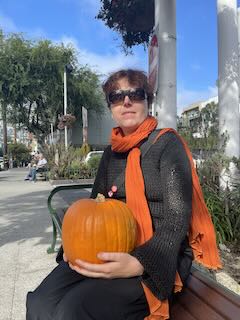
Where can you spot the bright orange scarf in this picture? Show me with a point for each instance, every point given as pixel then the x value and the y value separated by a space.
pixel 201 233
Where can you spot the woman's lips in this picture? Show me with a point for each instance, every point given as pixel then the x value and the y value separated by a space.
pixel 128 113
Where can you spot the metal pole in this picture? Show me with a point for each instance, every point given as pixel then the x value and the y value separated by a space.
pixel 238 15
pixel 51 133
pixel 165 28
pixel 65 106
pixel 228 83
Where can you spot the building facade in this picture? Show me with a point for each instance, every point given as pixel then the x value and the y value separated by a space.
pixel 190 116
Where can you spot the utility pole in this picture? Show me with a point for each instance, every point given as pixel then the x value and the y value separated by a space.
pixel 65 106
pixel 238 22
pixel 67 69
pixel 5 146
pixel 165 106
pixel 228 84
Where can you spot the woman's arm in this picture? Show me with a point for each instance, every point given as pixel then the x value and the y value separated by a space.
pixel 159 255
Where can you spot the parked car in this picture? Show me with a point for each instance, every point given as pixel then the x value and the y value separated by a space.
pixel 1 163
pixel 92 154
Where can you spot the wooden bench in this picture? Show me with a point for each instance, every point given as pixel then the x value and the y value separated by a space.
pixel 202 298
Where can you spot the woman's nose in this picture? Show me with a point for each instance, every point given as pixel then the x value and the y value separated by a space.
pixel 127 101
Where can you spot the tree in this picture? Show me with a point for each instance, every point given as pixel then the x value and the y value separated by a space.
pixel 14 64
pixel 133 19
pixel 19 153
pixel 32 84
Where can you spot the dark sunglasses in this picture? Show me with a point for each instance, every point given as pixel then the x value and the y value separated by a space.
pixel 135 94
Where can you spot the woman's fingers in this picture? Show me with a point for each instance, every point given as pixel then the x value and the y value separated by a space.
pixel 64 257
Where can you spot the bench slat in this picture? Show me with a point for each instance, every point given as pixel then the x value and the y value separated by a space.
pixel 218 288
pixel 179 313
pixel 205 298
pixel 197 307
pixel 222 300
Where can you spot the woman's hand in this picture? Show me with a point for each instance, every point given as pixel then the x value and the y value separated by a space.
pixel 117 265
pixel 65 257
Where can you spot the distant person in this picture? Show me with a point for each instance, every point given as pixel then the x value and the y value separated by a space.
pixel 32 167
pixel 41 164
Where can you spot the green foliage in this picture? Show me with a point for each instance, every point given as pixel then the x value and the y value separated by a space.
pixel 224 205
pixel 31 79
pixel 19 152
pixel 94 162
pixel 133 19
pixel 84 150
pixel 67 164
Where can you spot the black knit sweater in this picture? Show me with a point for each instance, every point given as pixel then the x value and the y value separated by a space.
pixel 168 187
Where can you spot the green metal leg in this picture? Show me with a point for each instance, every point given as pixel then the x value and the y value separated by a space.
pixel 52 248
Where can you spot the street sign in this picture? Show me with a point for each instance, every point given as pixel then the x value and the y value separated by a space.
pixel 153 54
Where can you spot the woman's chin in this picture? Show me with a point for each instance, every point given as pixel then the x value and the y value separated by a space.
pixel 129 127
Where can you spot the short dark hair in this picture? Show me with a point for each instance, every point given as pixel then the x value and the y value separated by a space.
pixel 136 78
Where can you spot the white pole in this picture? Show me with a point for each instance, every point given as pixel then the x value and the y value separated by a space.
pixel 238 14
pixel 165 28
pixel 51 133
pixel 228 82
pixel 65 106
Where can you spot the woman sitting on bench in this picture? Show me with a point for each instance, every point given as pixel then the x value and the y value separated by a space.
pixel 41 164
pixel 158 187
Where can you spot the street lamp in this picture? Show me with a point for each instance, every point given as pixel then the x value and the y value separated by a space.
pixel 67 69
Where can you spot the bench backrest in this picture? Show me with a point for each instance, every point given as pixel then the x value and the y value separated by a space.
pixel 203 298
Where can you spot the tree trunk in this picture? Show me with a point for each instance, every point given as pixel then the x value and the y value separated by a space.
pixel 4 120
pixel 15 134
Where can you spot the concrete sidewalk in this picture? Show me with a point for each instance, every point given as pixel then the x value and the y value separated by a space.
pixel 25 235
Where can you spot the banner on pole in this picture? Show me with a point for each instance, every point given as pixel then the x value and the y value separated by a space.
pixel 153 63
pixel 84 123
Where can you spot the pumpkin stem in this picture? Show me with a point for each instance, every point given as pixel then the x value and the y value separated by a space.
pixel 100 198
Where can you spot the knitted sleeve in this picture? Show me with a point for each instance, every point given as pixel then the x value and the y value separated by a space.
pixel 159 255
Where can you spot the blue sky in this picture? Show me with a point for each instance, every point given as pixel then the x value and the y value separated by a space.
pixel 73 21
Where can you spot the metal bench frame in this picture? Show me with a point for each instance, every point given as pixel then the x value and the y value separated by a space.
pixel 56 221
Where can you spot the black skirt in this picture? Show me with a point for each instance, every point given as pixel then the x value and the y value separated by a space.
pixel 66 295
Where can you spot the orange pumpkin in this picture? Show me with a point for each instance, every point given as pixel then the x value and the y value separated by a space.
pixel 97 225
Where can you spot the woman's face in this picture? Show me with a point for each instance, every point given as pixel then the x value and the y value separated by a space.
pixel 128 114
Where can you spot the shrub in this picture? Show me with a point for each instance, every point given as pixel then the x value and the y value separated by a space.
pixel 68 164
pixel 93 162
pixel 224 205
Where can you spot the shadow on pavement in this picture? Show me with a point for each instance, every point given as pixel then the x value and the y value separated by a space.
pixel 24 217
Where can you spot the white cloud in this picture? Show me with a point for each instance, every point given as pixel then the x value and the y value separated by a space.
pixel 185 97
pixel 105 63
pixel 7 24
